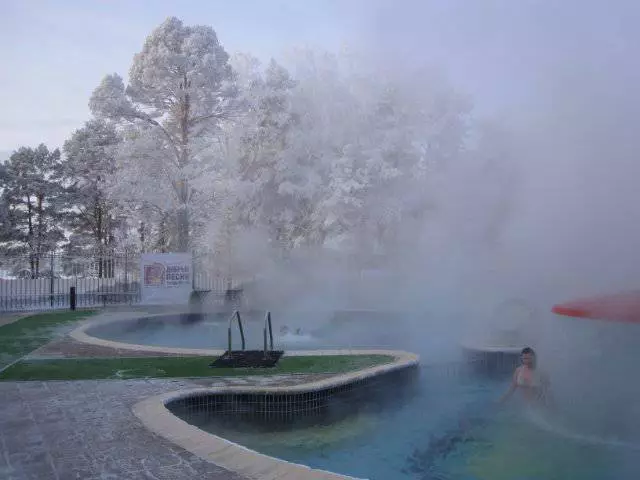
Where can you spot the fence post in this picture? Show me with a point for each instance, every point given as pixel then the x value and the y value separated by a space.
pixel 126 276
pixel 193 272
pixel 51 282
pixel 72 298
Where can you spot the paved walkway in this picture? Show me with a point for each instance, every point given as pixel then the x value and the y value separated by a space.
pixel 65 430
pixel 86 430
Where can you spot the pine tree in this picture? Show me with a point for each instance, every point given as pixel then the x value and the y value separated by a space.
pixel 89 163
pixel 35 199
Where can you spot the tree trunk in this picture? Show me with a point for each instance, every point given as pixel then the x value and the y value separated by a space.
pixel 183 229
pixel 32 260
pixel 182 222
pixel 162 236
pixel 39 233
pixel 141 233
pixel 98 214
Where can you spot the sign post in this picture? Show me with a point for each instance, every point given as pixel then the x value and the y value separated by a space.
pixel 166 278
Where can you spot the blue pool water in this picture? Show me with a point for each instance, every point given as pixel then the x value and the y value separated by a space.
pixel 328 330
pixel 449 427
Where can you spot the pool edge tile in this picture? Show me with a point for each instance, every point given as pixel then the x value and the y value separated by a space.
pixel 155 415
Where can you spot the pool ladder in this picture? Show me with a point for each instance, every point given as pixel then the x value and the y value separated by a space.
pixel 267 327
pixel 236 314
pixel 267 324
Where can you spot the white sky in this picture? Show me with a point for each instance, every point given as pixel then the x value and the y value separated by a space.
pixel 55 53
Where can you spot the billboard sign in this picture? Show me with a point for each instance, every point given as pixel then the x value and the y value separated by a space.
pixel 166 278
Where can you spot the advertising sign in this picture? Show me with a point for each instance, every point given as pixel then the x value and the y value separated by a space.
pixel 166 278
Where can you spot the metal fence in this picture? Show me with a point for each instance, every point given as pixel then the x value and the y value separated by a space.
pixel 216 287
pixel 206 277
pixel 204 281
pixel 43 283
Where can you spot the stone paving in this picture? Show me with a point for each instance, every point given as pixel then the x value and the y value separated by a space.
pixel 86 430
pixel 66 430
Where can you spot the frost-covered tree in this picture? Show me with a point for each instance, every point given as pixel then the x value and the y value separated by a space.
pixel 334 152
pixel 493 182
pixel 5 226
pixel 351 165
pixel 261 140
pixel 417 125
pixel 4 207
pixel 88 167
pixel 280 148
pixel 180 87
pixel 35 199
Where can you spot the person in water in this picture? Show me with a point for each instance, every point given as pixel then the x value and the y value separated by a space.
pixel 533 384
pixel 285 330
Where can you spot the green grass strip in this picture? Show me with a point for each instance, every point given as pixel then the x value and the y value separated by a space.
pixel 23 336
pixel 166 367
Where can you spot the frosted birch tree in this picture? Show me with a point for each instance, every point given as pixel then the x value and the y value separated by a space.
pixel 180 88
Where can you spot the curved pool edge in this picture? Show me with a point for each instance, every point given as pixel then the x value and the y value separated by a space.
pixel 487 347
pixel 80 334
pixel 155 416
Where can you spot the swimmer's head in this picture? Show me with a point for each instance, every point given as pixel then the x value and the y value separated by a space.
pixel 528 357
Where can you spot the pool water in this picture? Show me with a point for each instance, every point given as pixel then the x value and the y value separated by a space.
pixel 448 427
pixel 304 330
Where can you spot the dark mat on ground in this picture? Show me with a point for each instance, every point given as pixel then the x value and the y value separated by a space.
pixel 247 359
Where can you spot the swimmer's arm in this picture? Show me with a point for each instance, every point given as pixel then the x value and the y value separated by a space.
pixel 512 387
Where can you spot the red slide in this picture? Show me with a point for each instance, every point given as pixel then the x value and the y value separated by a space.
pixel 621 307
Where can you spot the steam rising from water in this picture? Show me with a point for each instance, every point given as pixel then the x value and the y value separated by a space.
pixel 562 79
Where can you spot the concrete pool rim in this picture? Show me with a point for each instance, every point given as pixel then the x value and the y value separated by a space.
pixel 155 416
pixel 487 348
pixel 154 413
pixel 81 334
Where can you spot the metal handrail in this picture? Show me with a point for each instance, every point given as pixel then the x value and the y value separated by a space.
pixel 267 323
pixel 236 314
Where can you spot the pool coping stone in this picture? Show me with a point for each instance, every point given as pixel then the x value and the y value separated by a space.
pixel 156 417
